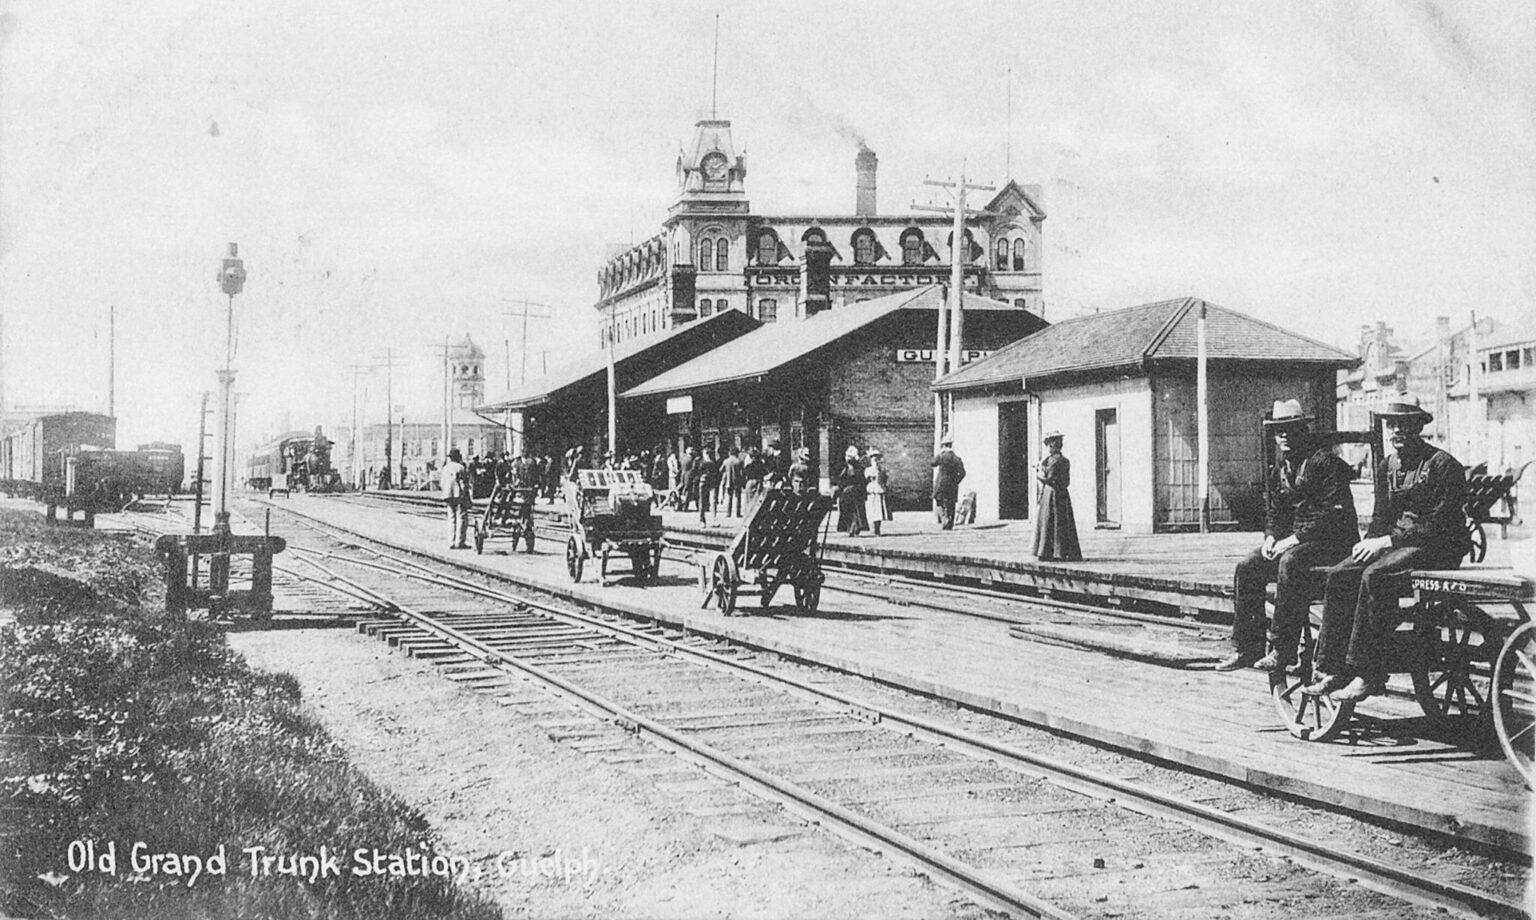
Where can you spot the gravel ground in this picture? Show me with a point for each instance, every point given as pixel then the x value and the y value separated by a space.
pixel 493 782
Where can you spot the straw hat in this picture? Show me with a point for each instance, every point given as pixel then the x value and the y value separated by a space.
pixel 1407 408
pixel 1287 412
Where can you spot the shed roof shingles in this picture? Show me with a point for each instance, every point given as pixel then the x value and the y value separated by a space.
pixel 1130 336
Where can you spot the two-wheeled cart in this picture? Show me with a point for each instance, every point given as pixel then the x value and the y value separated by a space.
pixel 1469 646
pixel 779 544
pixel 613 513
pixel 508 515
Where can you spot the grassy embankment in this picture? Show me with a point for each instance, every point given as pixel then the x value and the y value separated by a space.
pixel 121 727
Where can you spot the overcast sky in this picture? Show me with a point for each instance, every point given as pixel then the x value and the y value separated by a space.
pixel 395 171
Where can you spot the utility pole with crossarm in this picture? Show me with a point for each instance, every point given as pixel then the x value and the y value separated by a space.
pixel 946 360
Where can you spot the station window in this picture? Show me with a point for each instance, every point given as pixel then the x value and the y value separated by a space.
pixel 768 310
pixel 1495 362
pixel 1512 359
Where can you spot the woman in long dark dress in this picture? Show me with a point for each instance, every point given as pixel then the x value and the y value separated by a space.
pixel 850 495
pixel 1055 528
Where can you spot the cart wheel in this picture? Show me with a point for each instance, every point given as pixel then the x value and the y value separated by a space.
pixel 573 558
pixel 1479 538
pixel 725 586
pixel 1310 718
pixel 1453 678
pixel 528 537
pixel 1514 700
pixel 808 594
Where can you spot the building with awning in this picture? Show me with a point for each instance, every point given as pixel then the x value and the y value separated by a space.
pixel 1121 387
pixel 569 405
pixel 859 375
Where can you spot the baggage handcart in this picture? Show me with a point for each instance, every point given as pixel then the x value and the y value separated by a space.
pixel 1471 664
pixel 508 514
pixel 779 543
pixel 613 513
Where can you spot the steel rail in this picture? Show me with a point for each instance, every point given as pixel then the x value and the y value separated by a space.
pixel 1371 873
pixel 868 833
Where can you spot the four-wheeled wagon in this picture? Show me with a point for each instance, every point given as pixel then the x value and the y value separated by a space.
pixel 779 544
pixel 612 512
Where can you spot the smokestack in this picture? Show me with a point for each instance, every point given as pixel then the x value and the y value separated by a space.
pixel 864 164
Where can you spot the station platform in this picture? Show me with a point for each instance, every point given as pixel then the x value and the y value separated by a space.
pixel 1222 724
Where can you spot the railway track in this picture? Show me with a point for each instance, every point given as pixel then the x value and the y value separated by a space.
pixel 1031 834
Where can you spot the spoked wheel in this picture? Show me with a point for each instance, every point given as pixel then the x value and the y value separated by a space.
pixel 724 578
pixel 573 557
pixel 1514 700
pixel 1453 679
pixel 1308 717
pixel 808 593
pixel 1479 537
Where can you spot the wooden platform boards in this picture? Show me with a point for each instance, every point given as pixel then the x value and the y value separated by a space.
pixel 1219 723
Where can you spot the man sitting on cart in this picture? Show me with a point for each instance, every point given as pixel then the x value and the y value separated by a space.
pixel 1418 522
pixel 1309 521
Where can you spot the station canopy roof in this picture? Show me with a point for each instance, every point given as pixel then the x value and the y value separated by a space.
pixel 1136 337
pixel 684 339
pixel 775 345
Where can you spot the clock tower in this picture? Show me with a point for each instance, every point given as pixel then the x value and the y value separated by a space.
pixel 711 176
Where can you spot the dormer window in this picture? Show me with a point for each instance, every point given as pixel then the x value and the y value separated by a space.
pixel 912 246
pixel 767 248
pixel 864 247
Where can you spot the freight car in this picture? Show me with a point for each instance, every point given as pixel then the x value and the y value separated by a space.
pixel 297 461
pixel 67 460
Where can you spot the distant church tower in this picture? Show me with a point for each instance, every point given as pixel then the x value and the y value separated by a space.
pixel 468 363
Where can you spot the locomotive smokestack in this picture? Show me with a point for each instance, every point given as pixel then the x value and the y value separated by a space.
pixel 864 165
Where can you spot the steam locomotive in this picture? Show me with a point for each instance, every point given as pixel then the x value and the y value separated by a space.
pixel 298 461
pixel 68 460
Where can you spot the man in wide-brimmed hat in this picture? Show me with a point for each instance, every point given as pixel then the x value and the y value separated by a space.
pixel 1309 521
pixel 948 471
pixel 1419 522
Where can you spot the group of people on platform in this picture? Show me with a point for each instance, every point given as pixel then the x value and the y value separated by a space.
pixel 1312 547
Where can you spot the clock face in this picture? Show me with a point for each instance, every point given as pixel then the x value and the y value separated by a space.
pixel 714 166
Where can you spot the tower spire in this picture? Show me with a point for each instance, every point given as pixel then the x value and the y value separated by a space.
pixel 714 74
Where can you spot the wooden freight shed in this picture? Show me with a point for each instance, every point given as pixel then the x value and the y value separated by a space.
pixel 855 375
pixel 1121 387
pixel 569 405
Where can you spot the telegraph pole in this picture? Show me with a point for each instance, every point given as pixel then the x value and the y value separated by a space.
pixel 524 313
pixel 356 449
pixel 448 400
pixel 389 359
pixel 112 360
pixel 959 253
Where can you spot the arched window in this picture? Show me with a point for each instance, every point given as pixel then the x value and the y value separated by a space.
pixel 863 247
pixel 1002 255
pixel 706 254
pixel 912 247
pixel 768 310
pixel 767 248
pixel 968 253
pixel 721 252
pixel 1018 254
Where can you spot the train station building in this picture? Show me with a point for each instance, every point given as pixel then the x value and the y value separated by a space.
pixel 1121 387
pixel 855 376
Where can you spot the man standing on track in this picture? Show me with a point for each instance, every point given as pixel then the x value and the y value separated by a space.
pixel 1309 521
pixel 1419 522
pixel 454 481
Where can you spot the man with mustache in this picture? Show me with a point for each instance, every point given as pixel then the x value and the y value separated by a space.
pixel 1419 522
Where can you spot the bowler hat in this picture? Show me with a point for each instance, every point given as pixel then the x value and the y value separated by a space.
pixel 1287 412
pixel 1407 407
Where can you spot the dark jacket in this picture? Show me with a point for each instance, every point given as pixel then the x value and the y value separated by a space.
pixel 949 470
pixel 1420 501
pixel 1310 498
